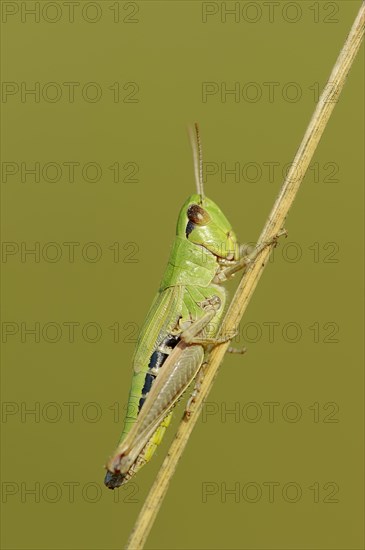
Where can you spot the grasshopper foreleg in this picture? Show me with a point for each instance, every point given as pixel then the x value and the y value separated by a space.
pixel 249 255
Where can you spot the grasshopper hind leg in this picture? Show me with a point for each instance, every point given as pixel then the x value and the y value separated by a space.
pixel 191 401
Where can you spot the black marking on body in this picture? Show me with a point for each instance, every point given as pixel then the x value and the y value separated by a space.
pixel 156 361
pixel 189 227
pixel 112 481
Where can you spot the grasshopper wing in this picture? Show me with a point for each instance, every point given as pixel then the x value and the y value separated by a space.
pixel 160 321
pixel 178 371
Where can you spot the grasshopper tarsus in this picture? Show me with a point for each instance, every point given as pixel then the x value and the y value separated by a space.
pixel 238 351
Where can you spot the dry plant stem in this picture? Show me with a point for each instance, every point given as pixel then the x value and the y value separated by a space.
pixel 250 279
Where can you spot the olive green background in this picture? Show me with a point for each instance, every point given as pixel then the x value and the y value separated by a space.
pixel 169 52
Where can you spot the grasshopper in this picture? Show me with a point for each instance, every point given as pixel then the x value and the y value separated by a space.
pixel 181 326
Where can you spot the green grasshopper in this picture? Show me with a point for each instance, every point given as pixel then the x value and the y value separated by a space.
pixel 181 326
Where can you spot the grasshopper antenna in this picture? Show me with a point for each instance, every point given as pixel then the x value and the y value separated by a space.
pixel 198 159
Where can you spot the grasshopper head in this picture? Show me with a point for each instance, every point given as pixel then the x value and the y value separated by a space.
pixel 201 220
pixel 203 223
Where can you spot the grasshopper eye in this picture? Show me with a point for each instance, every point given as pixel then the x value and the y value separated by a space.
pixel 197 215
